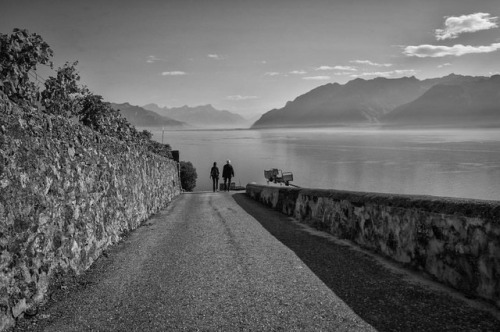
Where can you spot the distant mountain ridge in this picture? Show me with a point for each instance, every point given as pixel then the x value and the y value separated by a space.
pixel 474 102
pixel 141 117
pixel 389 101
pixel 204 116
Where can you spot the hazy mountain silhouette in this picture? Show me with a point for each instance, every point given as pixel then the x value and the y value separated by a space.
pixel 205 116
pixel 358 101
pixel 141 117
pixel 362 102
pixel 464 103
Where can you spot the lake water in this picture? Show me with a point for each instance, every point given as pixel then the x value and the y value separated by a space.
pixel 455 163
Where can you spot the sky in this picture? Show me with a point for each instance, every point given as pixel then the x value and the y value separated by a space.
pixel 251 56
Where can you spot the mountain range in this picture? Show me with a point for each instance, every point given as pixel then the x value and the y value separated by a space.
pixel 470 103
pixel 140 117
pixel 453 100
pixel 205 116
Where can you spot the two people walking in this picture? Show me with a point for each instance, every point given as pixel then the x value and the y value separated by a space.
pixel 227 174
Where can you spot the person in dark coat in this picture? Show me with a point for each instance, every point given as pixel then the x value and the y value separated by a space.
pixel 227 174
pixel 214 174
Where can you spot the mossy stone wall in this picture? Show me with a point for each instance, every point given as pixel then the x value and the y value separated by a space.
pixel 66 194
pixel 456 241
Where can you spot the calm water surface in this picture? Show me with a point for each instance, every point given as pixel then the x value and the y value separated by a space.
pixel 456 163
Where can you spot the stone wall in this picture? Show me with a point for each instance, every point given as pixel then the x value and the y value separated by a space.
pixel 66 194
pixel 456 241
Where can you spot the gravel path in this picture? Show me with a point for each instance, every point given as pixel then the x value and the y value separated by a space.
pixel 384 295
pixel 202 264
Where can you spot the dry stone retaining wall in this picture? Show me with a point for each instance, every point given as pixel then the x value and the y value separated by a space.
pixel 66 194
pixel 456 241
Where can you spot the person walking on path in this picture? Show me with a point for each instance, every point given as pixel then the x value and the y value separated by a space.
pixel 227 174
pixel 214 174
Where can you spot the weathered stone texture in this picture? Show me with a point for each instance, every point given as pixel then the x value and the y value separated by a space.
pixel 456 241
pixel 66 194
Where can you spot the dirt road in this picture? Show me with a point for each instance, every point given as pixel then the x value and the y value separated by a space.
pixel 201 264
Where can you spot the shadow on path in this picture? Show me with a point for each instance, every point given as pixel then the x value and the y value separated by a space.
pixel 383 298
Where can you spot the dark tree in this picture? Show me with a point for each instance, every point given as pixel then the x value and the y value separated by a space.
pixel 188 176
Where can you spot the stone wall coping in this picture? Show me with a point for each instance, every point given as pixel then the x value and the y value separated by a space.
pixel 486 209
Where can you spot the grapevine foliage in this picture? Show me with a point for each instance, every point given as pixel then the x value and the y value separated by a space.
pixel 21 52
pixel 63 95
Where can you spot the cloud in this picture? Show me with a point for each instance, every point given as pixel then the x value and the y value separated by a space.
pixel 240 97
pixel 153 59
pixel 342 73
pixel 215 56
pixel 436 51
pixel 316 78
pixel 324 68
pixel 345 68
pixel 271 73
pixel 456 25
pixel 368 62
pixel 173 73
pixel 444 65
pixel 405 72
pixel 397 72
pixel 375 74
pixel 298 72
pixel 336 68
